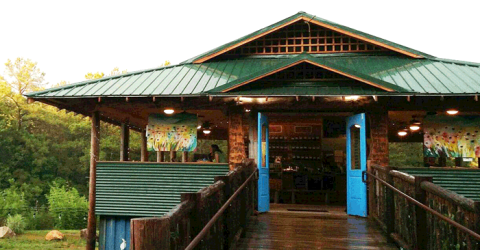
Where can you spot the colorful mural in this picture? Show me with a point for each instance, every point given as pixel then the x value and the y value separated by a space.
pixel 451 136
pixel 172 133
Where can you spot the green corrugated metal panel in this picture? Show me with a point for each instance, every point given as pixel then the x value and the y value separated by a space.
pixel 309 16
pixel 404 75
pixel 149 189
pixel 464 182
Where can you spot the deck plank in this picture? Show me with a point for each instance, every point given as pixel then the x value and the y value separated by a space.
pixel 283 229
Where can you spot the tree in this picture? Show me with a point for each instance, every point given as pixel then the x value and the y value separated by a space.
pixel 22 76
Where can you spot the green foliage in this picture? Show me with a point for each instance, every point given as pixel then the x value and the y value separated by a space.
pixel 406 154
pixel 68 208
pixel 12 202
pixel 36 240
pixel 16 223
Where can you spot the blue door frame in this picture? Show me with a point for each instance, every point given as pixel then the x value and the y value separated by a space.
pixel 262 164
pixel 356 164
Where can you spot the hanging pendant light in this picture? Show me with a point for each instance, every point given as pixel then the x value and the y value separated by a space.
pixel 415 124
pixel 452 111
pixel 169 111
pixel 403 131
pixel 207 128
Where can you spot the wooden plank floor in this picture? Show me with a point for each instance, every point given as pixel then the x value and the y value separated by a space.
pixel 312 229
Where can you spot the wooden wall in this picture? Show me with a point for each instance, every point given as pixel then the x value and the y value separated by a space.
pixel 379 138
pixel 236 146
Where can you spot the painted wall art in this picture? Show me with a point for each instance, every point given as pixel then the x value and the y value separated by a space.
pixel 451 136
pixel 172 133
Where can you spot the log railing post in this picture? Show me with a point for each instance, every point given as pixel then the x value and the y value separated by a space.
pixel 389 203
pixel 421 230
pixel 196 221
pixel 227 225
pixel 476 205
pixel 94 153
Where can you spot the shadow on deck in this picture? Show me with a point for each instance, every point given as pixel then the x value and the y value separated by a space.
pixel 311 227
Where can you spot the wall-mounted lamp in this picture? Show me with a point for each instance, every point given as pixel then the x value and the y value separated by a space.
pixel 357 125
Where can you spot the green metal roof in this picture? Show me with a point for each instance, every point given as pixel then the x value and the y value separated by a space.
pixel 310 17
pixel 464 182
pixel 403 74
pixel 390 72
pixel 149 189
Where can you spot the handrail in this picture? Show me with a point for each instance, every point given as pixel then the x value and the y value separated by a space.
pixel 207 227
pixel 439 215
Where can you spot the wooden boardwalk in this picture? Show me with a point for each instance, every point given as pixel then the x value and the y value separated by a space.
pixel 316 227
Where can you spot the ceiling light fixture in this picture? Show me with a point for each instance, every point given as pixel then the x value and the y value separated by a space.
pixel 169 111
pixel 452 111
pixel 207 131
pixel 357 125
pixel 415 124
pixel 351 98
pixel 402 133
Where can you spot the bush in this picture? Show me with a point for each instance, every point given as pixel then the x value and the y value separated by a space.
pixel 40 219
pixel 68 208
pixel 16 223
pixel 12 201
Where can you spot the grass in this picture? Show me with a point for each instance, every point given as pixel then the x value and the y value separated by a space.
pixel 35 240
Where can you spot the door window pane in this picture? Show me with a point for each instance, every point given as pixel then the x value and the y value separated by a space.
pixel 355 147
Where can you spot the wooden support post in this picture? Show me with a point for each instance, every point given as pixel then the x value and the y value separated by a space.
pixel 173 155
pixel 124 142
pixel 184 156
pixel 94 152
pixel 143 149
pixel 389 204
pixel 160 156
pixel 422 233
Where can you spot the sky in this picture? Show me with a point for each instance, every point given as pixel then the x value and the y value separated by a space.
pixel 68 39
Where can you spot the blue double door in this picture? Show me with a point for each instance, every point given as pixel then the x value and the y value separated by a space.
pixel 356 164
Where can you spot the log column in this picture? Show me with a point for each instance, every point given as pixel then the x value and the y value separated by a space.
pixel 124 142
pixel 379 138
pixel 236 145
pixel 144 151
pixel 160 156
pixel 94 153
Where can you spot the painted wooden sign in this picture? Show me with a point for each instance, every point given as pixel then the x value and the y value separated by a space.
pixel 172 133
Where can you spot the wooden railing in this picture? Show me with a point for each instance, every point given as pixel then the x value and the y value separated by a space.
pixel 176 229
pixel 418 214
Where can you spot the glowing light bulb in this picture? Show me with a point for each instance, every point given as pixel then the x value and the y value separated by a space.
pixel 452 111
pixel 402 133
pixel 207 131
pixel 169 111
